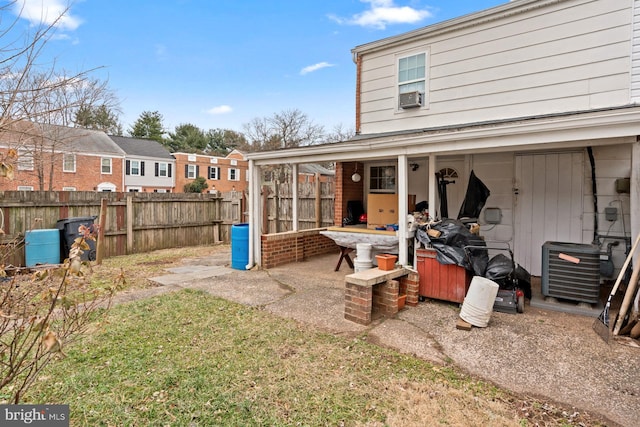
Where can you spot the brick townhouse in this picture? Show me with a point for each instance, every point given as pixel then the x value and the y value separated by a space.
pixel 58 158
pixel 222 174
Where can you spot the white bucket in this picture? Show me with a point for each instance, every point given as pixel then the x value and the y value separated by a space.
pixel 361 265
pixel 363 251
pixel 478 303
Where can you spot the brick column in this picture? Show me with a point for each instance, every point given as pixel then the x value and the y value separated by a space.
pixel 410 285
pixel 358 303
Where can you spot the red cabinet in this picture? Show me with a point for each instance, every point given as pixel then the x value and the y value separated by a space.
pixel 441 281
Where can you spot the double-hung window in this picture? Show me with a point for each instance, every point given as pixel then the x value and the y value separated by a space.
pixel 69 163
pixel 412 77
pixel 191 171
pixel 163 170
pixel 134 168
pixel 25 160
pixel 234 174
pixel 105 165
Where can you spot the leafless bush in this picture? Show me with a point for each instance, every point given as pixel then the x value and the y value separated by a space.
pixel 41 313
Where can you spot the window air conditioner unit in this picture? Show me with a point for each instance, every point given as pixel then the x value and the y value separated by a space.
pixel 411 99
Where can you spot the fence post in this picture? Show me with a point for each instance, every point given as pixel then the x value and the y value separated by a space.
pixel 102 223
pixel 129 224
pixel 318 201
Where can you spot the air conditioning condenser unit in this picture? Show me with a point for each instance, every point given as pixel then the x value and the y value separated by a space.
pixel 571 271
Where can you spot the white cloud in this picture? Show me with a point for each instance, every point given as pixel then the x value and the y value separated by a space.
pixel 315 67
pixel 220 109
pixel 48 12
pixel 383 13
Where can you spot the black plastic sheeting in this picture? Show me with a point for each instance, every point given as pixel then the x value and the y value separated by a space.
pixel 450 245
pixel 475 198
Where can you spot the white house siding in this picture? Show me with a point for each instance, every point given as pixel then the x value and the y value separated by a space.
pixel 635 57
pixel 569 55
pixel 150 180
pixel 497 171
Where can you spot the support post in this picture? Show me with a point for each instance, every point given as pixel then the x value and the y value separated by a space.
pixel 102 223
pixel 129 224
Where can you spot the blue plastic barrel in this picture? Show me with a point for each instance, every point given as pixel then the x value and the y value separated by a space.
pixel 42 247
pixel 239 246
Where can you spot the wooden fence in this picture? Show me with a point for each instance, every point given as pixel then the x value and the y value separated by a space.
pixel 143 222
pixel 315 206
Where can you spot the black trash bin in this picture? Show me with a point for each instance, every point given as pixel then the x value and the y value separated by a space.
pixel 69 232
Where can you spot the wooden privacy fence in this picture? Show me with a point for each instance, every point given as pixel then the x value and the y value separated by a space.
pixel 315 206
pixel 135 222
pixel 143 222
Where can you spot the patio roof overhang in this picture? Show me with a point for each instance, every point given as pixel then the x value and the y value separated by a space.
pixel 549 132
pixel 554 131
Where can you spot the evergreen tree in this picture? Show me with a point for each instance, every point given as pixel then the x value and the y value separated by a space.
pixel 148 126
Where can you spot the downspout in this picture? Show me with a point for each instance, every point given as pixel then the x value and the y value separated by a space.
pixel 253 218
pixel 358 61
pixel 596 240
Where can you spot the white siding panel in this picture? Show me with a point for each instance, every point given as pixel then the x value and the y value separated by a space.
pixel 588 77
pixel 635 66
pixel 541 25
pixel 538 58
pixel 555 37
pixel 566 56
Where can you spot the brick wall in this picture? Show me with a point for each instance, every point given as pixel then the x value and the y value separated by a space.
pixel 223 184
pixel 362 301
pixel 87 176
pixel 346 189
pixel 283 248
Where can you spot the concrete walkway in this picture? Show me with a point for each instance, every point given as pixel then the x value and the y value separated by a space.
pixel 544 353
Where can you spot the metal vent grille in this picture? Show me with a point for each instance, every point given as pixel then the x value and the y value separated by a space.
pixel 571 271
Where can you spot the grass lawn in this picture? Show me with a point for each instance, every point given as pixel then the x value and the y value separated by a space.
pixel 190 359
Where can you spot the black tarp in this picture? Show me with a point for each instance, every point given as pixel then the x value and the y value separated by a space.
pixel 475 198
pixel 450 245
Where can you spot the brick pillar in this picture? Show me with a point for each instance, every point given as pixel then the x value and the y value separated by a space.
pixel 346 189
pixel 357 303
pixel 410 285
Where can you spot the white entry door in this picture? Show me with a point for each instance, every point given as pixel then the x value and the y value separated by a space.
pixel 548 204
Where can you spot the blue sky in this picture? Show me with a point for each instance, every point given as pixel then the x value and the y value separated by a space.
pixel 221 63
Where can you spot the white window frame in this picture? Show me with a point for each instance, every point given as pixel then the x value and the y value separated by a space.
pixel 69 189
pixel 25 161
pixel 166 169
pixel 103 166
pixel 408 84
pixel 25 188
pixel 381 181
pixel 68 159
pixel 191 172
pixel 233 174
pixel 131 167
pixel 134 189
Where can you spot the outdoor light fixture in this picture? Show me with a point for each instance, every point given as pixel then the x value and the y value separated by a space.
pixel 356 176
